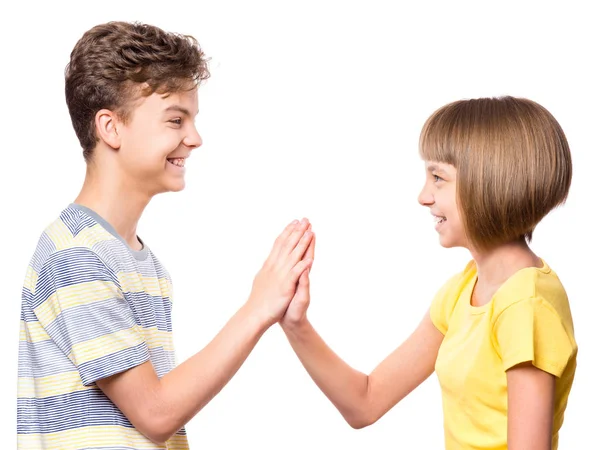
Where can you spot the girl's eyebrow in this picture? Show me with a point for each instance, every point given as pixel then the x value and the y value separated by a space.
pixel 435 168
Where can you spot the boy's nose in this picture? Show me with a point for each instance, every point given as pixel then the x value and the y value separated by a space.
pixel 193 139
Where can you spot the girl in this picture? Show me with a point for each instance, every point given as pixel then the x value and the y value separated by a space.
pixel 499 334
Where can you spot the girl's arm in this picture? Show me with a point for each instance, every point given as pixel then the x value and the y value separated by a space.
pixel 361 399
pixel 530 408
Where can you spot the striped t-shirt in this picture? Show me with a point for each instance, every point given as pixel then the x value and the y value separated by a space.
pixel 91 307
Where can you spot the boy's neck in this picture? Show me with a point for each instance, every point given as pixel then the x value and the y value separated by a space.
pixel 116 202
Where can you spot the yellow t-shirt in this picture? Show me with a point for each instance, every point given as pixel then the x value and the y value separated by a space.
pixel 528 319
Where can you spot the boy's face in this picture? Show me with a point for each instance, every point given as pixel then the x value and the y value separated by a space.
pixel 439 195
pixel 157 139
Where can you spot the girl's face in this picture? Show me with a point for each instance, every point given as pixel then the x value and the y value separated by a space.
pixel 439 195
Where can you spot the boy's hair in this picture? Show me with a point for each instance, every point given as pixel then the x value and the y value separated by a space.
pixel 116 62
pixel 513 164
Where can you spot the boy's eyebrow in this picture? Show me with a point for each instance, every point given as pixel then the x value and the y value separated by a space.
pixel 180 109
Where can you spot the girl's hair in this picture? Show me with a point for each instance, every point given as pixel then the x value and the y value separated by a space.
pixel 513 164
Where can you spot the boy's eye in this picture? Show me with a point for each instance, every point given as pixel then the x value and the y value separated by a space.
pixel 436 179
pixel 176 121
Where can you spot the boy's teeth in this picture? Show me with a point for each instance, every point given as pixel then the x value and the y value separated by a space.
pixel 177 161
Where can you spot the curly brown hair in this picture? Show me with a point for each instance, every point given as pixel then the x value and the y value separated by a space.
pixel 116 62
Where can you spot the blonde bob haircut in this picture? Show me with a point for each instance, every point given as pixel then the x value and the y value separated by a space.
pixel 512 160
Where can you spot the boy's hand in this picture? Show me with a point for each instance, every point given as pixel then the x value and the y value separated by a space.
pixel 275 284
pixel 296 311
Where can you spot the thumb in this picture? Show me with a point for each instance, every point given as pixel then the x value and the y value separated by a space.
pixel 304 280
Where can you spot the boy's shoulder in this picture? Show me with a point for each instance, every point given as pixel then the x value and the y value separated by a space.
pixel 73 232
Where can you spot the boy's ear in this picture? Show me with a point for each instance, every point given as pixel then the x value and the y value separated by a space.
pixel 107 128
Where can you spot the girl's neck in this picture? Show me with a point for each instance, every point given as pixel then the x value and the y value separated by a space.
pixel 496 266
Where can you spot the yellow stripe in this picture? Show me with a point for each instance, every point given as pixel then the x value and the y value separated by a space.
pixel 166 286
pixel 95 291
pixel 75 295
pixel 155 338
pixel 134 282
pixel 62 383
pixel 60 235
pixel 33 332
pixel 105 345
pixel 90 236
pixel 100 436
pixel 31 278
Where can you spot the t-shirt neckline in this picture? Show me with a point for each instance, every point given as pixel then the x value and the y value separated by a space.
pixel 140 255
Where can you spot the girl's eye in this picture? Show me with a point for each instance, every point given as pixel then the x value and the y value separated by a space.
pixel 436 179
pixel 176 121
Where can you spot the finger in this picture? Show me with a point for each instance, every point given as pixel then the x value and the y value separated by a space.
pixel 281 239
pixel 298 269
pixel 304 280
pixel 302 290
pixel 294 237
pixel 301 248
pixel 310 252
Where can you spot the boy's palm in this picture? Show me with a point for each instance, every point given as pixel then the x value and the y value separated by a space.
pixel 275 284
pixel 296 311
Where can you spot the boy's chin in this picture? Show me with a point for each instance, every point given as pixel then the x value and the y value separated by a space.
pixel 171 187
pixel 178 188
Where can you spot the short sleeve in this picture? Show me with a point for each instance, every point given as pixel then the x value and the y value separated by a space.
pixel 79 303
pixel 531 330
pixel 443 304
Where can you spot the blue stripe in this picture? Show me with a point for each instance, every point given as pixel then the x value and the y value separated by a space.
pixel 102 261
pixel 67 268
pixel 85 322
pixel 150 311
pixel 45 248
pixel 76 220
pixel 114 363
pixel 42 359
pixel 68 411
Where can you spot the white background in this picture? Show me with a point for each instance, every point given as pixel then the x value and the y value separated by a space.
pixel 313 109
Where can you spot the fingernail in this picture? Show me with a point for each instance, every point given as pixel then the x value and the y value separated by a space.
pixel 304 220
pixel 295 222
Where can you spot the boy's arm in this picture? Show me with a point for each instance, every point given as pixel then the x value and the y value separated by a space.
pixel 361 399
pixel 158 408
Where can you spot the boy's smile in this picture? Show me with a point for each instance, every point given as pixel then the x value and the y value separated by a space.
pixel 177 162
pixel 157 140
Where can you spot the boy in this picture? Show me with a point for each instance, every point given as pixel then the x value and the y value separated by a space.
pixel 96 361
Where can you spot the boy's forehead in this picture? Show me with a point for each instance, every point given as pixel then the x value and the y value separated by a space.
pixel 185 102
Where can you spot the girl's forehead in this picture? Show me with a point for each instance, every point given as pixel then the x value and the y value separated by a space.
pixel 437 166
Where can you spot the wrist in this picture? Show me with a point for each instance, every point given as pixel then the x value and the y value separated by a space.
pixel 257 316
pixel 296 326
